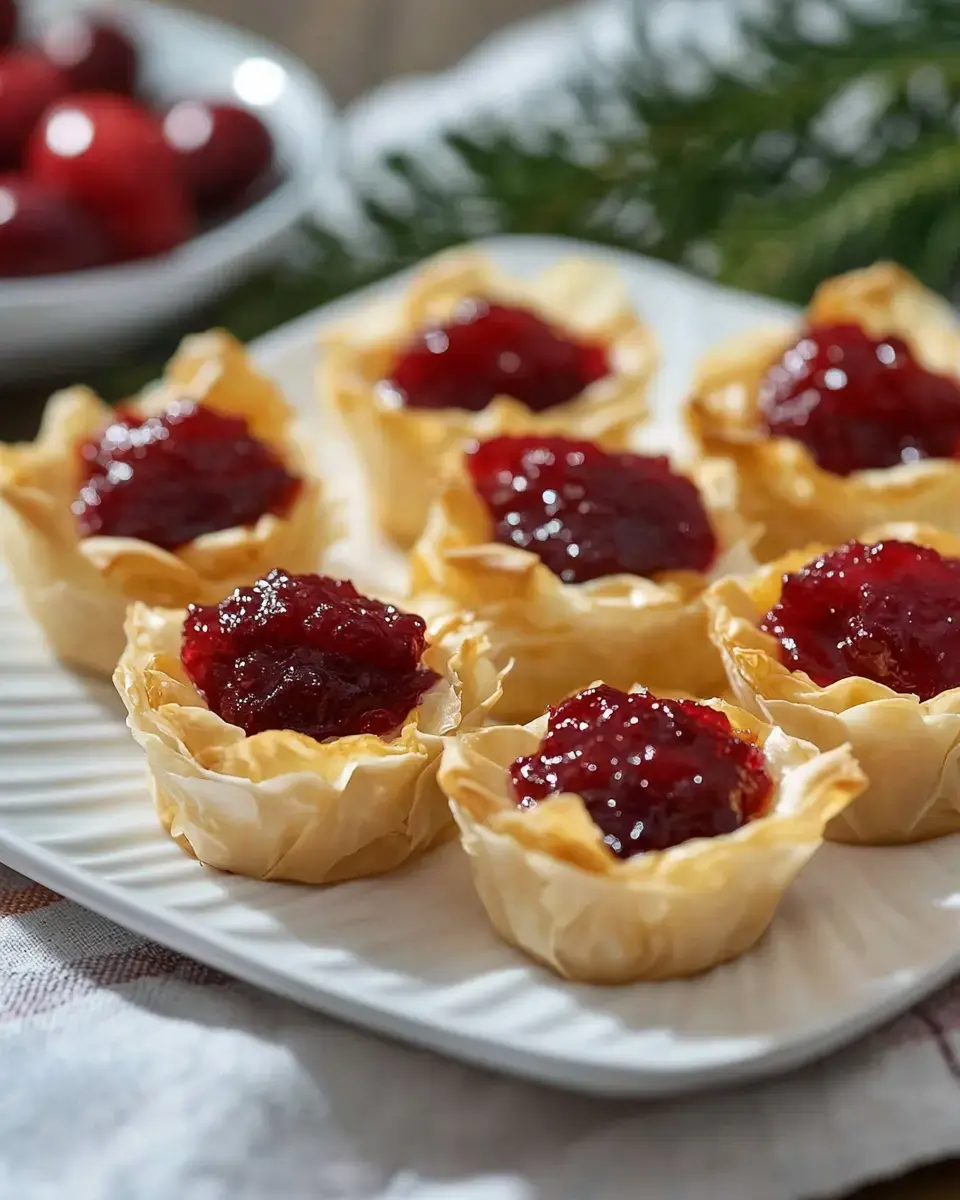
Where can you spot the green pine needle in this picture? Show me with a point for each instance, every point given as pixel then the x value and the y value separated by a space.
pixel 759 175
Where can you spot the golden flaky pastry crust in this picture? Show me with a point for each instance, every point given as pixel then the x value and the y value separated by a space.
pixel 551 887
pixel 78 589
pixel 782 487
pixel 559 637
pixel 281 805
pixel 401 448
pixel 909 749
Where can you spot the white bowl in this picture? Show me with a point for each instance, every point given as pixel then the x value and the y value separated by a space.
pixel 58 322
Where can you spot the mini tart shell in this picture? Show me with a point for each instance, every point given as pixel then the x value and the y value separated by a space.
pixel 553 888
pixel 281 805
pixel 561 636
pixel 78 589
pixel 782 487
pixel 401 447
pixel 908 748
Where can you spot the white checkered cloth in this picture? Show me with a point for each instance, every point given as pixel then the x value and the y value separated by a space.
pixel 131 1073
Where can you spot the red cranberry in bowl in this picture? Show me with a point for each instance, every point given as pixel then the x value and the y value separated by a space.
pixel 224 150
pixel 43 233
pixel 8 22
pixel 93 55
pixel 28 85
pixel 109 155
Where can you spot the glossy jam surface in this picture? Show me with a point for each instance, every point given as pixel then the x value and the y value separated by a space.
pixel 586 513
pixel 652 773
pixel 309 654
pixel 108 155
pixel 169 479
pixel 858 402
pixel 889 612
pixel 43 233
pixel 491 350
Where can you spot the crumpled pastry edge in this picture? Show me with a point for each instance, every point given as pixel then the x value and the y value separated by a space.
pixel 908 748
pixel 560 637
pixel 782 487
pixel 78 589
pixel 553 889
pixel 400 448
pixel 282 806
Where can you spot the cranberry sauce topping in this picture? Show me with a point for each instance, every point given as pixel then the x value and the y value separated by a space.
pixel 586 513
pixel 652 773
pixel 306 653
pixel 857 402
pixel 888 612
pixel 169 479
pixel 490 350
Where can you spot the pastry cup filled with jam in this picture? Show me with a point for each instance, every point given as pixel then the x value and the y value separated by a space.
pixel 194 488
pixel 849 420
pixel 467 352
pixel 623 837
pixel 582 563
pixel 294 730
pixel 859 645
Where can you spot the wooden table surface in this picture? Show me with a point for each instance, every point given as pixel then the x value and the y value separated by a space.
pixel 356 44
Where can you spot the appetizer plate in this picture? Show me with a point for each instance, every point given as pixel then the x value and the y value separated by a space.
pixel 860 937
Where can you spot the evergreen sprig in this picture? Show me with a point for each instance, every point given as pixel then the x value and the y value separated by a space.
pixel 818 150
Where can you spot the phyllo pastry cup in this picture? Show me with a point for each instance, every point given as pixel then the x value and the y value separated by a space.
pixel 280 805
pixel 560 636
pixel 554 889
pixel 78 588
pixel 908 748
pixel 401 446
pixel 782 487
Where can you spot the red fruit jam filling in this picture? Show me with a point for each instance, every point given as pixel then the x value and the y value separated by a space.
pixel 491 350
pixel 171 478
pixel 857 402
pixel 652 773
pixel 306 653
pixel 586 513
pixel 888 612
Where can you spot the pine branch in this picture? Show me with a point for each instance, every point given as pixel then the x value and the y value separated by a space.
pixel 862 215
pixel 757 171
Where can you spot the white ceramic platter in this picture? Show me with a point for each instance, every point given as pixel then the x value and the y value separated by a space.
pixel 861 936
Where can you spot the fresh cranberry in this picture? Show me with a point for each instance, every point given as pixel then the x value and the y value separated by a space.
pixel 42 233
pixel 491 350
pixel 888 612
pixel 169 479
pixel 858 402
pixel 95 57
pixel 28 85
pixel 224 150
pixel 586 513
pixel 9 19
pixel 307 653
pixel 651 773
pixel 109 155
